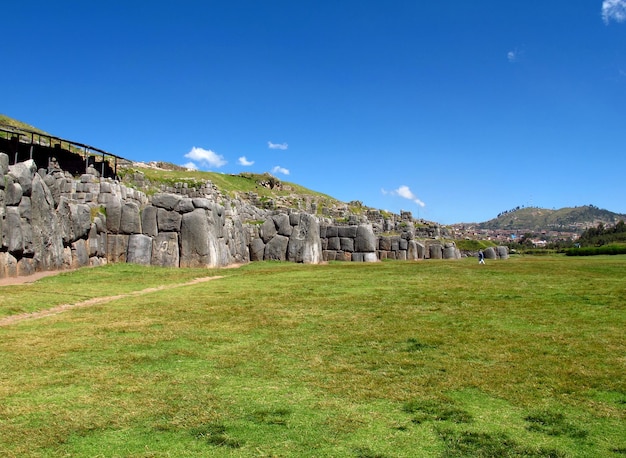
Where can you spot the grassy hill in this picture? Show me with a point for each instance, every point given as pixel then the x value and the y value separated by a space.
pixel 7 121
pixel 565 219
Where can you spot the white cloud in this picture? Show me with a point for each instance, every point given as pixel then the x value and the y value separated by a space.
pixel 245 162
pixel 190 166
pixel 282 146
pixel 279 169
pixel 406 193
pixel 511 56
pixel 613 10
pixel 206 157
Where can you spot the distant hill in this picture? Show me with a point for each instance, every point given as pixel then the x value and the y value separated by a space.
pixel 573 219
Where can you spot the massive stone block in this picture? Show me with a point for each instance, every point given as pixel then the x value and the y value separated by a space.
pixel 4 163
pixel 168 221
pixel 276 248
pixel 334 243
pixel 347 231
pixel 490 253
pixel 237 239
pixel 114 213
pixel 435 251
pixel 365 240
pixel 8 265
pixel 304 244
pixel 257 248
pixel 139 249
pixel 13 192
pixel 166 201
pixel 47 234
pixel 346 244
pixel 502 252
pixel 130 219
pixel 23 173
pixel 267 230
pixel 165 251
pixel 80 254
pixel 13 238
pixel 283 227
pixel 370 257
pixel 450 251
pixel 384 244
pixel 117 247
pixel 80 215
pixel 198 245
pixel 149 221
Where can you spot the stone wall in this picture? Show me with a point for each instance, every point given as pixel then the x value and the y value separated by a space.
pixel 50 220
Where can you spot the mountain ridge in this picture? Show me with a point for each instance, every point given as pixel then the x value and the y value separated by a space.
pixel 572 219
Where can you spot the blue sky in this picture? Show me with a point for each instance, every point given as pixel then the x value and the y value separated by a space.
pixel 453 110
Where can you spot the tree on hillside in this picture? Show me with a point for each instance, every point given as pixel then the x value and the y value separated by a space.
pixel 601 235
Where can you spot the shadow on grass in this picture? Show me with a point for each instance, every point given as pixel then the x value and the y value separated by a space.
pixel 485 445
pixel 436 410
pixel 216 434
pixel 553 424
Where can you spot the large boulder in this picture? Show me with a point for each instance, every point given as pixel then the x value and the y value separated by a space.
pixel 283 226
pixel 13 238
pixel 130 219
pixel 139 249
pixel 257 248
pixel 113 208
pixel 166 201
pixel 490 253
pixel 117 247
pixel 47 233
pixel 13 192
pixel 168 221
pixel 304 244
pixel 149 221
pixel 267 230
pixel 450 251
pixel 165 251
pixel 198 245
pixel 23 173
pixel 276 248
pixel 435 251
pixel 502 252
pixel 365 240
pixel 80 254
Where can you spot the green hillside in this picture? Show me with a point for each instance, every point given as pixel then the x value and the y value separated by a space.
pixel 564 219
pixel 7 121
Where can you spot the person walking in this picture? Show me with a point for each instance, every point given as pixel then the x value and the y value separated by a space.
pixel 481 257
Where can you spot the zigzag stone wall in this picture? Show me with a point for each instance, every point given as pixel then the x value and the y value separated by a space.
pixel 50 220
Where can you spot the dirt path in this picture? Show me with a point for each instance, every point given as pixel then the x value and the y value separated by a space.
pixel 9 281
pixel 6 321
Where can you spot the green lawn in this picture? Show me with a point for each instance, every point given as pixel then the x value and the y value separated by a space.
pixel 517 358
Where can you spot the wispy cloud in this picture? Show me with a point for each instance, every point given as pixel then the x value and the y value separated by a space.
pixel 406 193
pixel 245 162
pixel 206 157
pixel 279 169
pixel 282 146
pixel 190 166
pixel 511 56
pixel 613 10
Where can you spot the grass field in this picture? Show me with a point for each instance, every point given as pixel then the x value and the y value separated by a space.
pixel 517 358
